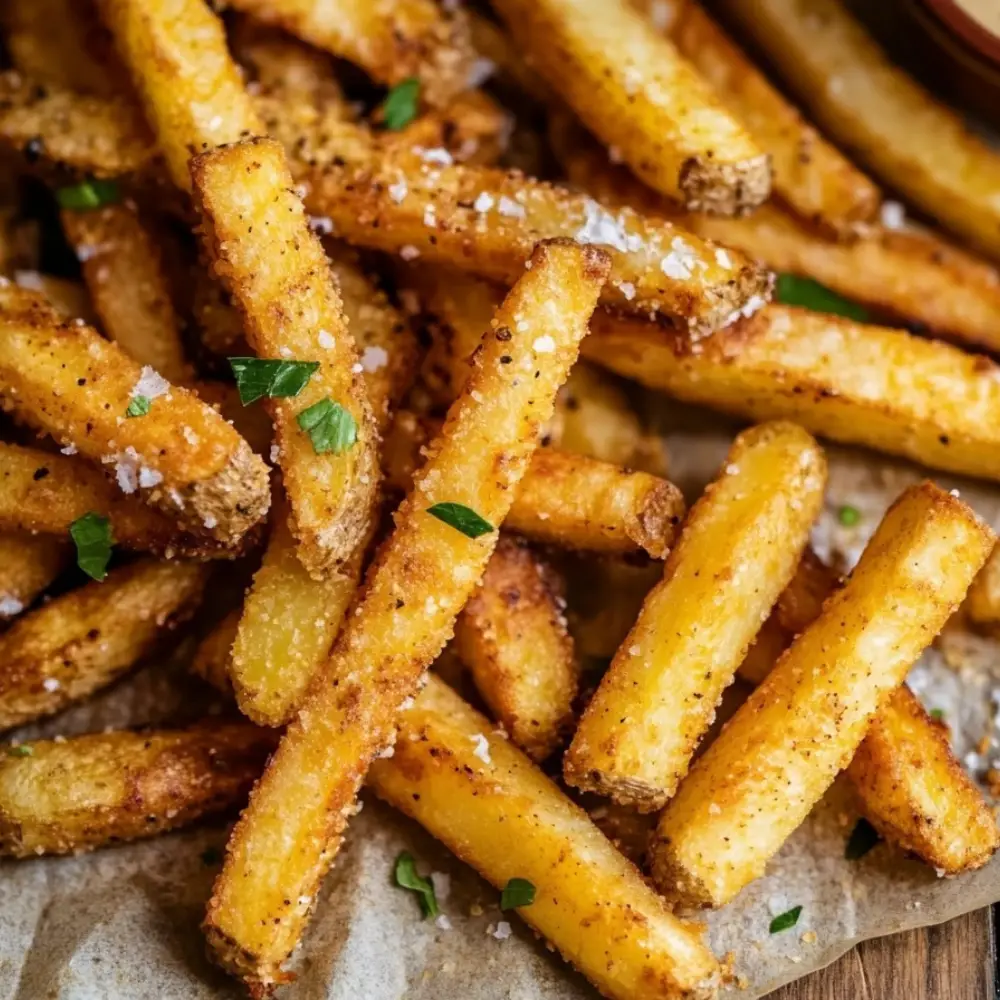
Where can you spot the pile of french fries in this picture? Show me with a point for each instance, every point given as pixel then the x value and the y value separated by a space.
pixel 261 315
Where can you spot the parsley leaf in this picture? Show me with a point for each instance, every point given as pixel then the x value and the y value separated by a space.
pixel 277 379
pixel 785 920
pixel 849 516
pixel 517 892
pixel 139 406
pixel 21 750
pixel 93 193
pixel 400 107
pixel 329 426
pixel 862 839
pixel 92 536
pixel 407 878
pixel 937 714
pixel 795 291
pixel 461 518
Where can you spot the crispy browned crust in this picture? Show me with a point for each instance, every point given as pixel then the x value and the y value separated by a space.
pixel 725 188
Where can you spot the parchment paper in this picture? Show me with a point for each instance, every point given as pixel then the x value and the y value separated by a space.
pixel 122 924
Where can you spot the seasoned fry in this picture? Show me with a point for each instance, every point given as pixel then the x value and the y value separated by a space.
pixel 181 456
pixel 256 233
pixel 512 635
pixel 633 89
pixel 983 603
pixel 875 109
pixel 125 273
pixel 211 661
pixel 81 642
pixel 858 384
pixel 785 745
pixel 635 740
pixel 393 40
pixel 104 788
pixel 191 90
pixel 290 833
pixel 501 815
pixel 69 298
pixel 28 564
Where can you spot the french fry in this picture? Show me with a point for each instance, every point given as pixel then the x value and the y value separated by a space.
pixel 191 90
pixel 393 41
pixel 629 944
pixel 181 456
pixel 494 44
pixel 20 239
pixel 872 107
pixel 782 749
pixel 983 602
pixel 635 740
pixel 69 298
pixel 857 384
pixel 291 831
pixel 125 273
pixel 251 422
pixel 28 564
pixel 68 796
pixel 632 88
pixel 212 659
pixel 256 234
pixel 512 635
pixel 86 639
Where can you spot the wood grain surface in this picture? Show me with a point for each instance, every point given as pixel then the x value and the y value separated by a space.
pixel 954 961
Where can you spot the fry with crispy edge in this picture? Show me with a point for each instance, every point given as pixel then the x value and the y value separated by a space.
pixel 181 456
pixel 81 642
pixel 512 636
pixel 105 788
pixel 255 232
pixel 627 943
pixel 784 746
pixel 635 740
pixel 420 580
pixel 876 110
pixel 983 602
pixel 857 384
pixel 28 564
pixel 912 789
pixel 631 87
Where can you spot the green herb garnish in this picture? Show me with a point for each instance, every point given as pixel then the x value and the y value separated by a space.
pixel 400 106
pixel 22 750
pixel 849 516
pixel 93 193
pixel 785 920
pixel 139 406
pixel 92 537
pixel 792 290
pixel 937 714
pixel 330 427
pixel 260 377
pixel 517 892
pixel 862 839
pixel 461 518
pixel 407 878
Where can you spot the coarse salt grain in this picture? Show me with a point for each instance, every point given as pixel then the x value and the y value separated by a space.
pixel 502 931
pixel 10 605
pixel 442 885
pixel 409 252
pixel 69 449
pixel 892 215
pixel 510 208
pixel 51 684
pixel 544 345
pixel 326 339
pixel 627 289
pixel 398 191
pixel 484 202
pixel 437 155
pixel 442 922
pixel 148 478
pixel 373 358
pixel 482 750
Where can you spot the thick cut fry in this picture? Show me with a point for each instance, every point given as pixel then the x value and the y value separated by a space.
pixel 212 659
pixel 422 577
pixel 125 273
pixel 392 40
pixel 501 815
pixel 190 88
pixel 181 456
pixel 633 89
pixel 256 233
pixel 70 299
pixel 876 110
pixel 104 788
pixel 983 602
pixel 28 564
pixel 658 699
pixel 81 642
pixel 782 749
pixel 512 635
pixel 866 385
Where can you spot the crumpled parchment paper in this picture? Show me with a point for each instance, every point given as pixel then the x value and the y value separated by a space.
pixel 122 924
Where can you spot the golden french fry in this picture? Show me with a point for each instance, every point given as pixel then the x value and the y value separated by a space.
pixel 513 637
pixel 635 740
pixel 289 834
pixel 28 564
pixel 181 456
pixel 212 659
pixel 501 815
pixel 68 796
pixel 70 299
pixel 782 749
pixel 983 602
pixel 81 642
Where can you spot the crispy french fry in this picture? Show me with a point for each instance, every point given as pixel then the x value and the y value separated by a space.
pixel 251 422
pixel 69 298
pixel 81 642
pixel 635 740
pixel 104 788
pixel 28 564
pixel 872 107
pixel 393 40
pixel 629 945
pixel 212 659
pixel 783 748
pixel 125 273
pixel 858 384
pixel 191 90
pixel 255 231
pixel 983 603
pixel 631 87
pixel 181 456
pixel 290 833
pixel 512 635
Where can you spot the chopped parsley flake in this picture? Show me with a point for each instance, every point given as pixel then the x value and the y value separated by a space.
pixel 92 536
pixel 22 750
pixel 330 427
pixel 849 516
pixel 400 107
pixel 408 878
pixel 795 291
pixel 461 518
pixel 937 714
pixel 139 407
pixel 785 920
pixel 92 193
pixel 274 378
pixel 517 892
